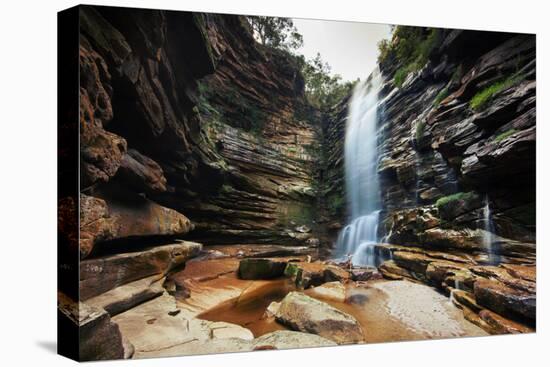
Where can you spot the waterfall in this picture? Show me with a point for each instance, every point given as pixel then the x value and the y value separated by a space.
pixel 488 233
pixel 357 239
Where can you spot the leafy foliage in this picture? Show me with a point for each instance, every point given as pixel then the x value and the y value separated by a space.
pixel 411 47
pixel 322 89
pixel 441 96
pixel 500 137
pixel 420 128
pixel 336 204
pixel 480 100
pixel 459 196
pixel 276 32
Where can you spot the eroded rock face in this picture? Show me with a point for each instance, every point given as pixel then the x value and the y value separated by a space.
pixel 505 300
pixel 101 221
pixel 99 275
pixel 437 140
pixel 307 314
pixel 171 110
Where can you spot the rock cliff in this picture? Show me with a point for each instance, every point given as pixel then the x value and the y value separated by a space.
pixel 457 165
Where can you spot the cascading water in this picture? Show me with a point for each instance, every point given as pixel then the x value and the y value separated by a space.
pixel 362 182
pixel 488 233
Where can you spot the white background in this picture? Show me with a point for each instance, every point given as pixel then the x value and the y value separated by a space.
pixel 28 182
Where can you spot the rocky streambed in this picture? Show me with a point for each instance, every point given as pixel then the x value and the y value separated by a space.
pixel 295 300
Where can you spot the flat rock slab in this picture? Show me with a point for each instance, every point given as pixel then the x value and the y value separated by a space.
pixel 102 274
pixel 425 310
pixel 159 325
pixel 303 313
pixel 129 295
pixel 276 340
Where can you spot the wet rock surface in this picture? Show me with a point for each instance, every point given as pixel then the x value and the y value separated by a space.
pixel 306 314
pixel 504 294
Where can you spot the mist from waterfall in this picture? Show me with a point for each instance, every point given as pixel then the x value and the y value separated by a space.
pixel 362 181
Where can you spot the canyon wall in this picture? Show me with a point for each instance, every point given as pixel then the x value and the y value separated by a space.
pixel 442 160
pixel 185 116
pixel 457 142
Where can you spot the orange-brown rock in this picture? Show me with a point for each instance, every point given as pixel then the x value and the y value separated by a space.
pixel 99 275
pixel 102 221
pixel 505 300
pixel 502 325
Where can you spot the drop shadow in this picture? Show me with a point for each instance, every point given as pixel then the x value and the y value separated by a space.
pixel 48 345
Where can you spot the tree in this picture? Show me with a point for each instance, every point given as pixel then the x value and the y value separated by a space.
pixel 276 32
pixel 322 89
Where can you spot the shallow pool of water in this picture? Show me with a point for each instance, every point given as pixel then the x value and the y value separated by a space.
pixel 366 304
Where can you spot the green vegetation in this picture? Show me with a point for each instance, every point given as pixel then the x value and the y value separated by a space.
pixel 420 128
pixel 335 204
pixel 401 74
pixel 203 104
pixel 504 135
pixel 459 196
pixel 441 96
pixel 411 47
pixel 480 100
pixel 322 89
pixel 276 32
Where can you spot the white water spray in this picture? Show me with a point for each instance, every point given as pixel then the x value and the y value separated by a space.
pixel 488 233
pixel 362 183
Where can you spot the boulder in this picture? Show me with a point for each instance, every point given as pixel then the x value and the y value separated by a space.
pixel 102 274
pixel 305 275
pixel 261 268
pixel 505 300
pixel 336 273
pixel 332 290
pixel 306 314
